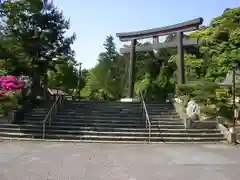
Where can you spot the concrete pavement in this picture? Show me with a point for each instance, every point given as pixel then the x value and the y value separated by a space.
pixel 86 161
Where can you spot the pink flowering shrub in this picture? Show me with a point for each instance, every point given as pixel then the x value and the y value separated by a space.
pixel 10 91
pixel 10 83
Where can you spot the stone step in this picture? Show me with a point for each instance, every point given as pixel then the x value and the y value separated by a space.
pixel 93 120
pixel 117 120
pixel 139 134
pixel 100 115
pixel 104 117
pixel 9 135
pixel 32 130
pixel 163 114
pixel 167 126
pixel 109 121
pixel 5 127
pixel 156 109
pixel 128 105
pixel 81 111
pixel 111 142
pixel 32 119
pixel 64 112
pixel 115 109
pixel 124 104
pixel 111 138
pixel 109 133
pixel 167 122
pixel 132 138
pixel 102 106
pixel 29 116
pixel 124 121
pixel 36 113
pixel 176 119
pixel 119 113
pixel 107 124
pixel 102 102
pixel 109 109
pixel 101 124
pixel 108 116
pixel 66 118
pixel 95 124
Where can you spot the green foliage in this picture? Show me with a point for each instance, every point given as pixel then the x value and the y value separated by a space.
pixel 143 84
pixel 9 102
pixel 2 68
pixel 220 44
pixel 32 41
pixel 106 80
pixel 212 98
pixel 154 74
pixel 64 75
pixel 212 92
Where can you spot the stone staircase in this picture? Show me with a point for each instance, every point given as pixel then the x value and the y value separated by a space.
pixel 29 127
pixel 96 121
pixel 99 121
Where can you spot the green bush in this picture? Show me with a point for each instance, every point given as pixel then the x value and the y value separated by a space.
pixel 9 102
pixel 213 100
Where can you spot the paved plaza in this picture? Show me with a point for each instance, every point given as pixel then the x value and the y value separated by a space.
pixel 73 161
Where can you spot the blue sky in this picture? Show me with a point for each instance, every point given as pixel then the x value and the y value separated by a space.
pixel 93 20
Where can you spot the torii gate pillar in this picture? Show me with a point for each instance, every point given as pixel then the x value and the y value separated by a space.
pixel 180 51
pixel 131 74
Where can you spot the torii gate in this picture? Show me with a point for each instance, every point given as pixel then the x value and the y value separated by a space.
pixel 178 29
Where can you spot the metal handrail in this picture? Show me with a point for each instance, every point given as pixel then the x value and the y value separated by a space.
pixel 145 113
pixel 50 115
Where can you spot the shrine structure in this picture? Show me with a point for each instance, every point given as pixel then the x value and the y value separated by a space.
pixel 154 33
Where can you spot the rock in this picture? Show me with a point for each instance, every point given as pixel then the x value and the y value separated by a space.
pixel 193 110
pixel 178 100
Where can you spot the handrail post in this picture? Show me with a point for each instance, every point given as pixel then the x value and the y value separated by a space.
pixel 50 120
pixel 147 119
pixel 51 114
pixel 43 130
pixel 149 135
